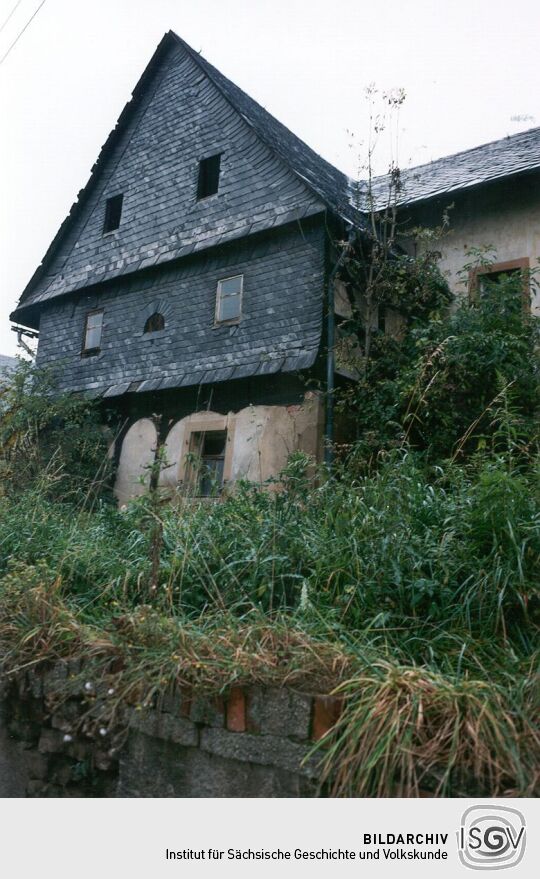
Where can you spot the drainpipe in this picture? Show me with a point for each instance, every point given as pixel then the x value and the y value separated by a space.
pixel 331 357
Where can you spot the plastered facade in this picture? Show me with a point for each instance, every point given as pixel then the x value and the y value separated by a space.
pixel 259 442
pixel 504 215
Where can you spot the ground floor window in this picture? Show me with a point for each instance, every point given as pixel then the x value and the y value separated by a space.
pixel 207 462
pixel 482 280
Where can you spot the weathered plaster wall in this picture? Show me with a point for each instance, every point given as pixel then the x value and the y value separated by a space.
pixel 249 742
pixel 260 440
pixel 138 454
pixel 505 214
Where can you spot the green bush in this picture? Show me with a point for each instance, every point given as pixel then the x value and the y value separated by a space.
pixel 438 387
pixel 57 440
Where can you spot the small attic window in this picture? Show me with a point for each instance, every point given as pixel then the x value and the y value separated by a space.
pixel 208 181
pixel 113 213
pixel 155 323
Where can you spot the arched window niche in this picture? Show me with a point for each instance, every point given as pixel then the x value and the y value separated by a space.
pixel 155 323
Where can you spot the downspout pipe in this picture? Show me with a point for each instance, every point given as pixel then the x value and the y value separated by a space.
pixel 331 356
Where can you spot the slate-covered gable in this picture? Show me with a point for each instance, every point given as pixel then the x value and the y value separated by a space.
pixel 181 117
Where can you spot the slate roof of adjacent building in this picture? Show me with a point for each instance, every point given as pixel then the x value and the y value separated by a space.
pixel 512 155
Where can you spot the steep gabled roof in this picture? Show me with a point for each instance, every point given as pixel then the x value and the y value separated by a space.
pixel 330 184
pixel 516 154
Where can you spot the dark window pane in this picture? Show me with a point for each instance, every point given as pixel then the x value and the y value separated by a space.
pixel 214 442
pixel 113 213
pixel 208 181
pixel 211 478
pixel 154 323
pixel 210 447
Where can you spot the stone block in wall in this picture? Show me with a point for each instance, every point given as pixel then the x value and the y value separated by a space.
pixel 175 700
pixel 51 741
pixel 150 767
pixel 36 764
pixel 61 772
pixel 53 680
pixel 67 715
pixel 165 726
pixel 262 750
pixel 35 788
pixel 279 712
pixel 208 710
pixel 13 774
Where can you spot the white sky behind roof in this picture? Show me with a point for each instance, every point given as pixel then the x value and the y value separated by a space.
pixel 468 67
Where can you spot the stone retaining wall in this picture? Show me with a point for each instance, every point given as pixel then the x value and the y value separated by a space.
pixel 252 742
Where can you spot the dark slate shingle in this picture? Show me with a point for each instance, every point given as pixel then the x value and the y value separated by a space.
pixel 511 155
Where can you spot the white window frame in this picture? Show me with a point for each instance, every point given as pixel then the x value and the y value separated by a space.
pixel 231 320
pixel 89 349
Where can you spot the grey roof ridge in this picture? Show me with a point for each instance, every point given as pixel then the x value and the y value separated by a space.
pixel 480 146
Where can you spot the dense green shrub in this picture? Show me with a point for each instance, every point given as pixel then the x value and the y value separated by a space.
pixel 58 438
pixel 438 387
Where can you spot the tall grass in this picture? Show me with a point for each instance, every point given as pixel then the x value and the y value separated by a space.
pixel 412 589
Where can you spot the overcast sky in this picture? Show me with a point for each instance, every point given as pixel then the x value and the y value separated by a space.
pixel 469 68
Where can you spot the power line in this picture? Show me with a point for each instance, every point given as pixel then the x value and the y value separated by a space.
pixel 18 3
pixel 18 37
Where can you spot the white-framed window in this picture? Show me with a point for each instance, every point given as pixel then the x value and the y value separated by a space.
pixel 229 299
pixel 92 332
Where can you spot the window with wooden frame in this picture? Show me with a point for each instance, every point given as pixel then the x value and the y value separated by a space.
pixel 481 278
pixel 229 299
pixel 93 329
pixel 207 462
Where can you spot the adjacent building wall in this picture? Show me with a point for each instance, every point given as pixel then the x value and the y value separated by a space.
pixel 504 214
